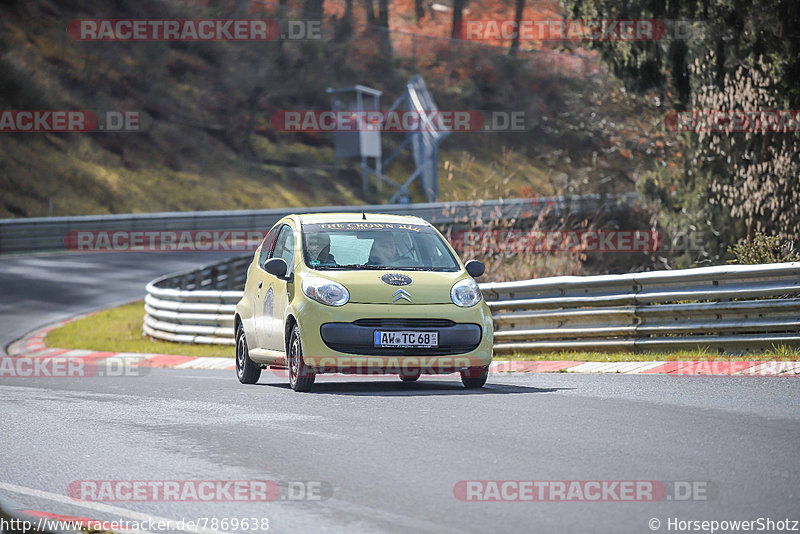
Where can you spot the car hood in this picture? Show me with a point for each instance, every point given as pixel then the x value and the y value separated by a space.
pixel 368 287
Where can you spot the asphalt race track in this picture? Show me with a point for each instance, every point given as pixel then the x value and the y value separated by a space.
pixel 387 454
pixel 38 290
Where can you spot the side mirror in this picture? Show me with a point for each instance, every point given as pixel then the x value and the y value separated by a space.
pixel 276 267
pixel 475 268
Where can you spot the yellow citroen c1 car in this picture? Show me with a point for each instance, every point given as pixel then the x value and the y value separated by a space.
pixel 361 293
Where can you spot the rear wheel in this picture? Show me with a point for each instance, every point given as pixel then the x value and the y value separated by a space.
pixel 246 370
pixel 301 378
pixel 475 377
pixel 411 376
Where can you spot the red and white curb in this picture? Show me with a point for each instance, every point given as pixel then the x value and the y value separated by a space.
pixel 32 346
pixel 695 367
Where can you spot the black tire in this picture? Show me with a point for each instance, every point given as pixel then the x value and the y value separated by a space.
pixel 475 377
pixel 246 370
pixel 410 377
pixel 301 378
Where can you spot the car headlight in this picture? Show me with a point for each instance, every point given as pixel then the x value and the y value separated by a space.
pixel 465 293
pixel 325 291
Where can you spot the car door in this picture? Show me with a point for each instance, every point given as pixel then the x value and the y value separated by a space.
pixel 279 289
pixel 262 302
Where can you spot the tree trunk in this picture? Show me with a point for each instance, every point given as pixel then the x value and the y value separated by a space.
pixel 518 13
pixel 313 9
pixel 240 9
pixel 419 9
pixel 383 22
pixel 458 10
pixel 345 26
pixel 680 73
pixel 252 104
pixel 348 11
pixel 370 12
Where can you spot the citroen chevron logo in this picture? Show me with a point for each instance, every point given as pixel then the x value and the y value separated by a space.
pixel 401 294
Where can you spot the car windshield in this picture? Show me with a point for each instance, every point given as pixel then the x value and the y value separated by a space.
pixel 365 245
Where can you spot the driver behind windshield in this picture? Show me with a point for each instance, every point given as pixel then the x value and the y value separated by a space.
pixel 385 252
pixel 318 246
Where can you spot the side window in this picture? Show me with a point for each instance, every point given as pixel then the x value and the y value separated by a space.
pixel 284 246
pixel 266 246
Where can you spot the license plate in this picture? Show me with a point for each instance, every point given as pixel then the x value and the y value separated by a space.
pixel 406 338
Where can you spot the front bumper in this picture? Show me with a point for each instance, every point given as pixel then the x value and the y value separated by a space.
pixel 465 337
pixel 358 337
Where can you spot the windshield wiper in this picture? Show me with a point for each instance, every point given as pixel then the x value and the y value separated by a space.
pixel 402 268
pixel 365 267
pixel 334 267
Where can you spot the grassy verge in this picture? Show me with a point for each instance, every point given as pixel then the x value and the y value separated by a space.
pixel 120 330
pixel 776 354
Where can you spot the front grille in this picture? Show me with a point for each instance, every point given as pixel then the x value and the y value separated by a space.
pixel 404 323
pixel 358 337
pixel 367 350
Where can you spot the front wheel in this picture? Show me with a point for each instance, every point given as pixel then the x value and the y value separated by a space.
pixel 301 378
pixel 475 377
pixel 246 371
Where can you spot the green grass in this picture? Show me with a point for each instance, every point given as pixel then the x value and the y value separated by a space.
pixel 776 353
pixel 120 330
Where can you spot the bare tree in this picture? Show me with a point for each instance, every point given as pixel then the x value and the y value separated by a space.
pixel 755 174
pixel 518 13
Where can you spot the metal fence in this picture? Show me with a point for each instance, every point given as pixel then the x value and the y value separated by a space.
pixel 58 233
pixel 737 308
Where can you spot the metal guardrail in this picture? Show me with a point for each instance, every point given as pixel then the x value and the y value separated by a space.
pixel 52 233
pixel 196 306
pixel 735 308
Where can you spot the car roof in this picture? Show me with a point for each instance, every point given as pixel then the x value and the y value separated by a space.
pixel 317 218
